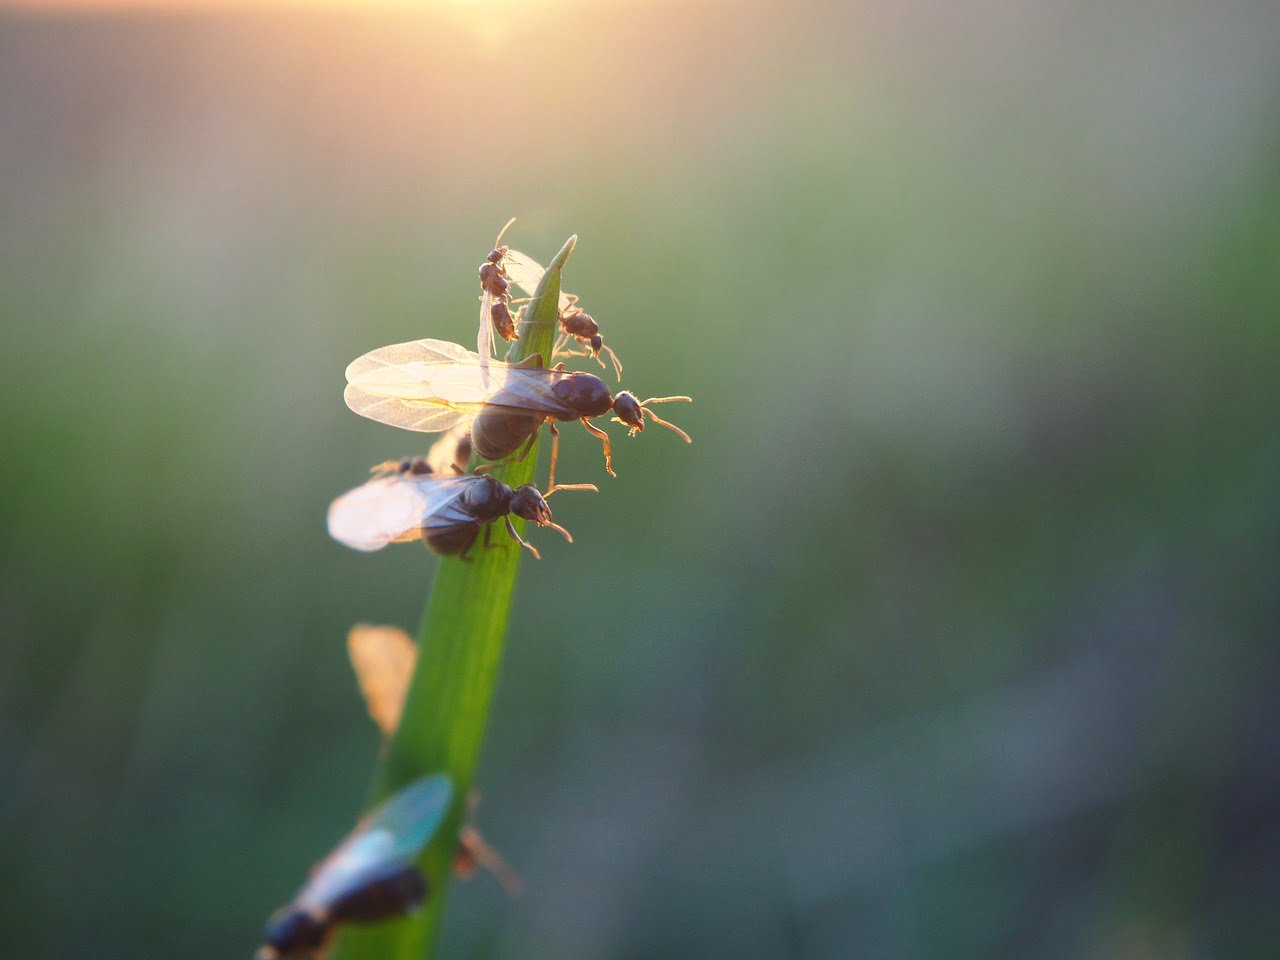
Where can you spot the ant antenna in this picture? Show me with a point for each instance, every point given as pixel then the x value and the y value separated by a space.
pixel 658 420
pixel 588 487
pixel 502 231
pixel 555 526
pixel 617 364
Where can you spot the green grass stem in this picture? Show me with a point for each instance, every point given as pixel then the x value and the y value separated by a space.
pixel 463 630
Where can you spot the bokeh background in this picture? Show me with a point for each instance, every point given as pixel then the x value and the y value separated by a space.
pixel 952 635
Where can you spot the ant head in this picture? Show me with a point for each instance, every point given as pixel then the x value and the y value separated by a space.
pixel 292 931
pixel 527 502
pixel 629 411
pixel 584 392
pixel 597 344
pixel 497 253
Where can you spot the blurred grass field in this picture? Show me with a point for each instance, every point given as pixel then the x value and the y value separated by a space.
pixel 952 635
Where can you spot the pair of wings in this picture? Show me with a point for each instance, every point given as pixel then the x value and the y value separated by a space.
pixel 390 835
pixel 526 273
pixel 398 508
pixel 432 385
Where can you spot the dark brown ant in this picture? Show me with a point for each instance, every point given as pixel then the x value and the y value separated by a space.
pixel 498 430
pixel 417 466
pixel 432 385
pixel 495 314
pixel 576 323
pixel 493 276
pixel 446 512
pixel 453 531
pixel 448 455
pixel 363 882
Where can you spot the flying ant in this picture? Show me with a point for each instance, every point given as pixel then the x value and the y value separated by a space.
pixel 445 512
pixel 575 323
pixel 448 455
pixel 433 385
pixel 370 876
pixel 495 314
pixel 383 659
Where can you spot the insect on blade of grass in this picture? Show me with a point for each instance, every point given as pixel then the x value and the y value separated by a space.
pixel 443 722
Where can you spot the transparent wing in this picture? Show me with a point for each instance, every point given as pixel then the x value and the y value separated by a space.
pixel 484 338
pixel 432 385
pixel 383 659
pixel 526 273
pixel 422 416
pixel 393 833
pixel 451 452
pixel 389 509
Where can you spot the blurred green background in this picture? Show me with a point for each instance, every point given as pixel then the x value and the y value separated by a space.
pixel 952 635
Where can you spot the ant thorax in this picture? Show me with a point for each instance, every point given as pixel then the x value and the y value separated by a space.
pixel 488 500
pixel 585 393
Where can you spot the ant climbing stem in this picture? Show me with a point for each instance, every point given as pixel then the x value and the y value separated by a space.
pixel 495 315
pixel 575 322
pixel 432 385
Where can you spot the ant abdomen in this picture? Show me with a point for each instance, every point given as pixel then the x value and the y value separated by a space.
pixel 580 325
pixel 452 541
pixel 496 434
pixel 398 891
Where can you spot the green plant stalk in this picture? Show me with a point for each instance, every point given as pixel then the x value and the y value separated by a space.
pixel 460 643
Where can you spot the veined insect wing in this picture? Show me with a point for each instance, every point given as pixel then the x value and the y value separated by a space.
pixel 526 273
pixel 391 834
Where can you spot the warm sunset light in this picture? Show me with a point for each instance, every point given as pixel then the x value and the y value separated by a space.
pixel 215 5
pixel 811 465
pixel 108 5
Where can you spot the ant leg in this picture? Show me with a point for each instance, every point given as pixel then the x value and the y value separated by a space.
pixel 608 447
pixel 477 852
pixel 552 486
pixel 527 447
pixel 516 537
pixel 488 529
pixel 555 455
pixel 617 364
